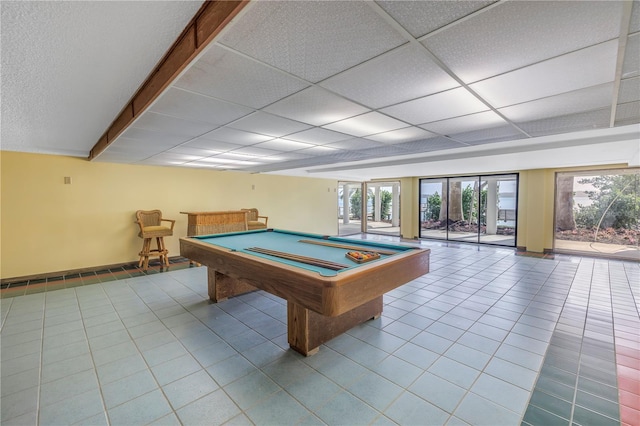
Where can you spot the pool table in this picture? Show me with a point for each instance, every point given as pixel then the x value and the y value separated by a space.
pixel 327 293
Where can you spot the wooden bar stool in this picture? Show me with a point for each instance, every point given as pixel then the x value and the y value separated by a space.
pixel 150 222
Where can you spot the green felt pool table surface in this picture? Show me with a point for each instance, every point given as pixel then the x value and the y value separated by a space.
pixel 292 242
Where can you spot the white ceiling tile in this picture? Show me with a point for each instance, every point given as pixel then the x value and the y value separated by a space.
pixel 366 124
pixel 495 134
pixel 202 165
pixel 635 18
pixel 403 74
pixel 631 64
pixel 222 160
pixel 318 150
pixel 318 136
pixel 175 157
pixel 240 137
pixel 422 17
pixel 402 135
pixel 192 106
pixel 482 120
pixel 283 145
pixel 312 39
pixel 135 147
pixel 629 90
pixel 226 75
pixel 212 145
pixel 315 106
pixel 355 144
pixel 584 68
pixel 172 125
pixel 567 103
pixel 268 124
pixel 152 137
pixel 568 123
pixel 258 152
pixel 452 103
pixel 189 150
pixel 519 33
pixel 284 156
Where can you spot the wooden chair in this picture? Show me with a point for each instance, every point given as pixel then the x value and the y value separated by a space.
pixel 150 223
pixel 254 220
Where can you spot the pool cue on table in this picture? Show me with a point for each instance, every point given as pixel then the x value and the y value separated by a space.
pixel 348 247
pixel 302 259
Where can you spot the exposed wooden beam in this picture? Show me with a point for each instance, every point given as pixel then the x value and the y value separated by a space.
pixel 212 17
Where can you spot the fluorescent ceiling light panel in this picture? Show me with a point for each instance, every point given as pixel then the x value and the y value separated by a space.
pixel 578 70
pixel 240 137
pixel 318 136
pixel 567 103
pixel 482 120
pixel 211 145
pixel 355 144
pixel 258 152
pixel 283 145
pixel 449 104
pixel 315 106
pixel 366 124
pixel 200 152
pixel 402 135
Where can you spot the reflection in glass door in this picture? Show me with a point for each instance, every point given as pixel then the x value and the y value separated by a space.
pixel 477 209
pixel 462 200
pixel 498 206
pixel 598 213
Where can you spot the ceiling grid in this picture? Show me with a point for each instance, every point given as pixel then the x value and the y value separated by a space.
pixel 297 87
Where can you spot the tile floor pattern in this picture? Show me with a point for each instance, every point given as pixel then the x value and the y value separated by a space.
pixel 487 337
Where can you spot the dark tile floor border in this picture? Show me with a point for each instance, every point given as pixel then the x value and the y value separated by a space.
pixel 76 279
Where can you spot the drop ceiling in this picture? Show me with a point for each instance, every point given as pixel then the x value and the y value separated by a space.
pixel 341 89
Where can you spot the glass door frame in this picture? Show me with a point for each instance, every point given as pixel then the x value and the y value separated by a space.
pixel 446 183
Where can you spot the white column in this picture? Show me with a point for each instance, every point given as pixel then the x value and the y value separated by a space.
pixel 346 207
pixel 492 206
pixel 377 205
pixel 395 205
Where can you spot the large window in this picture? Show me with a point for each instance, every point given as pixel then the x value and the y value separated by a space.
pixel 598 212
pixel 477 209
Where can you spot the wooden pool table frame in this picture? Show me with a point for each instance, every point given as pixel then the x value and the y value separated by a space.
pixel 319 308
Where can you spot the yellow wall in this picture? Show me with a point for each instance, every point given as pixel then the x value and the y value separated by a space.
pixel 47 226
pixel 535 210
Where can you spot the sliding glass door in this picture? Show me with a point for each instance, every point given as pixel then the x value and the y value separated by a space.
pixel 383 208
pixel 350 208
pixel 477 209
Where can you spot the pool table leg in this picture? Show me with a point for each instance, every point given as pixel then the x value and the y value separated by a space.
pixel 307 330
pixel 222 286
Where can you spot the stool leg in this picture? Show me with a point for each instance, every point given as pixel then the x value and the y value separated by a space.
pixel 162 251
pixel 144 253
pixel 148 252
